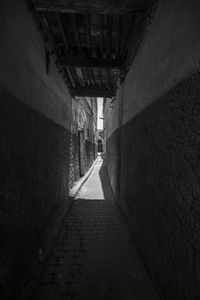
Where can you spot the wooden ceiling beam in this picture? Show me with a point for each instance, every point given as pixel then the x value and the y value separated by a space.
pixel 91 76
pixel 88 32
pixel 101 38
pixel 92 92
pixel 60 26
pixel 91 6
pixel 100 80
pixel 119 35
pixel 134 39
pixel 109 34
pixel 82 61
pixel 70 76
pixel 76 33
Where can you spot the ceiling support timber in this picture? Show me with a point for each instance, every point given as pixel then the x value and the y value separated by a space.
pixel 76 33
pixel 70 76
pixel 109 34
pixel 91 6
pixel 126 26
pixel 92 76
pixel 101 40
pixel 92 92
pixel 88 31
pixel 108 76
pixel 80 76
pixel 134 39
pixel 62 31
pixel 130 23
pixel 82 61
pixel 100 80
pixel 119 35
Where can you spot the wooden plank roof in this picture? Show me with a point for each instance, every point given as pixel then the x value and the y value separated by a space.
pixel 91 6
pixel 94 41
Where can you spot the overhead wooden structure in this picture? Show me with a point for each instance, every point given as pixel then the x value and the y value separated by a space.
pixel 92 6
pixel 95 41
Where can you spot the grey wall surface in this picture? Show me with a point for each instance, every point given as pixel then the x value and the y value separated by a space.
pixel 158 154
pixel 35 120
pixel 23 67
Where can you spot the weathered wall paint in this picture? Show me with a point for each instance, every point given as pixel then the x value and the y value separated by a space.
pixel 34 180
pixel 169 51
pixel 155 153
pixel 23 68
pixel 35 122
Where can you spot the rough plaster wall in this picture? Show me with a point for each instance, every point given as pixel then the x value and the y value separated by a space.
pixel 160 189
pixel 111 115
pixel 34 182
pixel 158 149
pixel 111 123
pixel 169 51
pixel 23 68
pixel 35 119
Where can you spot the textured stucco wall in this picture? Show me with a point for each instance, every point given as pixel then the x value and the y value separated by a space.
pixel 35 122
pixel 23 68
pixel 111 123
pixel 160 190
pixel 169 51
pixel 158 149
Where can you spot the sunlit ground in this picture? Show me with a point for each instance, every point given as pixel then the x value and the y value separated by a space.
pixel 92 188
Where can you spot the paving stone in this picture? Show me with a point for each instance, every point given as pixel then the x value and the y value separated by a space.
pixel 94 256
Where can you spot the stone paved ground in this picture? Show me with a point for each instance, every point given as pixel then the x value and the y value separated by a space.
pixel 94 255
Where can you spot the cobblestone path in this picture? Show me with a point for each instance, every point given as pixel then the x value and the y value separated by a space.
pixel 94 255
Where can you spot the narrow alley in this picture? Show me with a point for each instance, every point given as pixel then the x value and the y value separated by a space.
pixel 99 149
pixel 94 256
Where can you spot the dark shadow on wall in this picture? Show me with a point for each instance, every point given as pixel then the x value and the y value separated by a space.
pixel 159 187
pixel 34 180
pixel 103 173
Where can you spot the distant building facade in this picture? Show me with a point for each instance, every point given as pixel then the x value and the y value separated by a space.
pixel 83 148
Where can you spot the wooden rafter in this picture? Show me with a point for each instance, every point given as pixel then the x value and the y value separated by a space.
pixel 48 31
pixel 82 61
pixel 108 34
pixel 92 92
pixel 80 76
pixel 67 78
pixel 70 77
pixel 91 77
pixel 88 31
pixel 62 31
pixel 76 33
pixel 85 76
pixel 100 80
pixel 91 6
pixel 108 77
pixel 129 27
pixel 101 39
pixel 126 23
pixel 119 35
pixel 112 33
pixel 132 43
